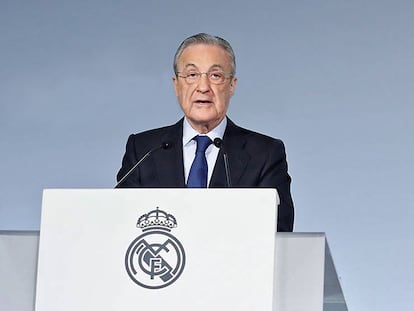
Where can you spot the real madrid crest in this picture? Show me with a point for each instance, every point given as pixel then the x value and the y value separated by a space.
pixel 155 259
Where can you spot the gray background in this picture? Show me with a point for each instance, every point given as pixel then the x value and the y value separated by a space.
pixel 333 79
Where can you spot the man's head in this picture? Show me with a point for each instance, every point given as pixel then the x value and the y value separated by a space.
pixel 204 80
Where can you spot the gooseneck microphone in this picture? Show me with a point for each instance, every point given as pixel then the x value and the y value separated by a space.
pixel 164 145
pixel 218 142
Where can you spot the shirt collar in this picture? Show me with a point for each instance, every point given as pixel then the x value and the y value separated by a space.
pixel 189 133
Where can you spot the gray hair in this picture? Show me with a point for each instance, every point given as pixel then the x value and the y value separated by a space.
pixel 204 38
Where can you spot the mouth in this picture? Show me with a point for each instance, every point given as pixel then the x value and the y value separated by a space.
pixel 203 102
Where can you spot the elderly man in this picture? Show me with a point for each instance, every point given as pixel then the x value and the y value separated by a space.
pixel 205 148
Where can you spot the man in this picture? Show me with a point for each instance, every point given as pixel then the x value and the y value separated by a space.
pixel 205 148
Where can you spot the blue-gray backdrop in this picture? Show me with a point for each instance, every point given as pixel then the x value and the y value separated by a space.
pixel 333 79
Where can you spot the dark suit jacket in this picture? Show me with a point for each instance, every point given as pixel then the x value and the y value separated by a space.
pixel 255 160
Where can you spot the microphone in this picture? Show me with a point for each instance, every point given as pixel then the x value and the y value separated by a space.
pixel 164 145
pixel 218 142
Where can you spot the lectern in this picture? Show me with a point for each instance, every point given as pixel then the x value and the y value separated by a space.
pixel 115 249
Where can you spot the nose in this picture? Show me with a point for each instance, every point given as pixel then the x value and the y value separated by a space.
pixel 203 85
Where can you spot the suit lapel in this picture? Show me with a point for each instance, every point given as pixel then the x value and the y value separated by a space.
pixel 234 142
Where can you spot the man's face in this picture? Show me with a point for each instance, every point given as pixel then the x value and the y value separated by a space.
pixel 204 103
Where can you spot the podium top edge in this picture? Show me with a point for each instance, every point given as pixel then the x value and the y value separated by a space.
pixel 19 232
pixel 302 234
pixel 160 189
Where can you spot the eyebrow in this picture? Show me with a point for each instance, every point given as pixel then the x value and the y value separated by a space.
pixel 214 66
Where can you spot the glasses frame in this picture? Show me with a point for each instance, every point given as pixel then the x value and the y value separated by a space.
pixel 199 74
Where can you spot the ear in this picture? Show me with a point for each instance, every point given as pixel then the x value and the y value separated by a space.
pixel 233 84
pixel 175 82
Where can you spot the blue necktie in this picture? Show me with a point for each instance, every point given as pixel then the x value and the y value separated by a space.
pixel 198 172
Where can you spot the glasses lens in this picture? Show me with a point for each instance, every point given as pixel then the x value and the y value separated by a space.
pixel 215 77
pixel 191 76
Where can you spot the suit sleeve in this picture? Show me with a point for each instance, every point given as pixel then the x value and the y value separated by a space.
pixel 275 175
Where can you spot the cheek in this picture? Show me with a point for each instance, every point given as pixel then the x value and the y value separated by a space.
pixel 184 98
pixel 185 92
pixel 224 100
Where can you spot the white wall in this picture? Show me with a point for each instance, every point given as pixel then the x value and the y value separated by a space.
pixel 333 79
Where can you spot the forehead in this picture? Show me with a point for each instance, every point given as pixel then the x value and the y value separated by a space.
pixel 204 55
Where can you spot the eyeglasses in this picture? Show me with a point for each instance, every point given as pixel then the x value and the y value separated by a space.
pixel 193 76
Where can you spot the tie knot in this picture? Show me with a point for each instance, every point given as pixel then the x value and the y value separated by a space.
pixel 202 143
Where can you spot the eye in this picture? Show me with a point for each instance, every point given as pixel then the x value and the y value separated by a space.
pixel 216 75
pixel 192 74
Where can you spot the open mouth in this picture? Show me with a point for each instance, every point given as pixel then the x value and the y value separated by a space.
pixel 203 101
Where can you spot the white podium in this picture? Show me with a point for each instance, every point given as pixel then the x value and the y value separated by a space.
pixel 291 272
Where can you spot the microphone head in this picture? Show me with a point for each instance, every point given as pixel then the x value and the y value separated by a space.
pixel 218 142
pixel 166 145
